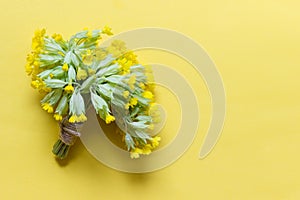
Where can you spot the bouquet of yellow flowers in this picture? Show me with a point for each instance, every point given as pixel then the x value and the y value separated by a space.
pixel 77 73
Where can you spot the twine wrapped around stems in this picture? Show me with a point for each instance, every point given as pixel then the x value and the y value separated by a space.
pixel 68 135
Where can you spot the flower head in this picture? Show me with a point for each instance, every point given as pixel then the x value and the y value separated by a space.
pixel 47 107
pixel 109 118
pixel 57 37
pixel 57 117
pixel 107 30
pixel 133 101
pixel 147 94
pixel 125 94
pixel 81 74
pixel 76 118
pixel 69 88
pixel 131 81
pixel 65 67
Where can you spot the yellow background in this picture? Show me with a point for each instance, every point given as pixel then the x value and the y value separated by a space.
pixel 256 47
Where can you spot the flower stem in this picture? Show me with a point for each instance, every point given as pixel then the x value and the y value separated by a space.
pixel 60 149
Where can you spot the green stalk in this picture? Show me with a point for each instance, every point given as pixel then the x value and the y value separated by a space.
pixel 60 149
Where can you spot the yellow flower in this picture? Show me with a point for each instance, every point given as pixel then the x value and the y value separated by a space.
pixel 30 58
pixel 28 69
pixel 89 34
pixel 69 88
pixel 81 74
pixel 57 37
pixel 129 55
pixel 146 149
pixel 155 141
pixel 135 153
pixel 107 30
pixel 127 105
pixel 38 40
pixel 125 94
pixel 57 117
pixel 51 75
pixel 35 84
pixel 125 65
pixel 82 118
pixel 131 81
pixel 47 107
pixel 142 85
pixel 88 57
pixel 36 63
pixel 75 118
pixel 100 54
pixel 109 118
pixel 65 67
pixel 148 95
pixel 91 71
pixel 114 51
pixel 133 101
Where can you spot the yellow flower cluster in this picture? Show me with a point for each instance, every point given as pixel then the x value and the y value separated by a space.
pixel 33 64
pixel 57 37
pixel 132 102
pixel 131 81
pixel 148 94
pixel 65 67
pixel 75 118
pixel 38 41
pixel 109 118
pixel 126 94
pixel 81 74
pixel 57 117
pixel 47 107
pixel 107 30
pixel 69 88
pixel 124 57
pixel 126 60
pixel 146 149
pixel 87 57
pixel 70 68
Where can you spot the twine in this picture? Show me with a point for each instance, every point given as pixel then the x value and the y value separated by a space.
pixel 69 131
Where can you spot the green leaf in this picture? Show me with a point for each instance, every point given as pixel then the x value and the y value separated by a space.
pixel 45 73
pixel 116 79
pixel 99 103
pixel 142 135
pixel 77 104
pixel 103 63
pixel 72 102
pixel 55 83
pixel 55 97
pixel 47 97
pixel 85 87
pixel 110 70
pixel 80 107
pixel 129 141
pixel 71 73
pixel 49 57
pixel 138 125
pixel 62 104
pixel 144 118
pixel 53 46
pixel 68 57
pixel 74 59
